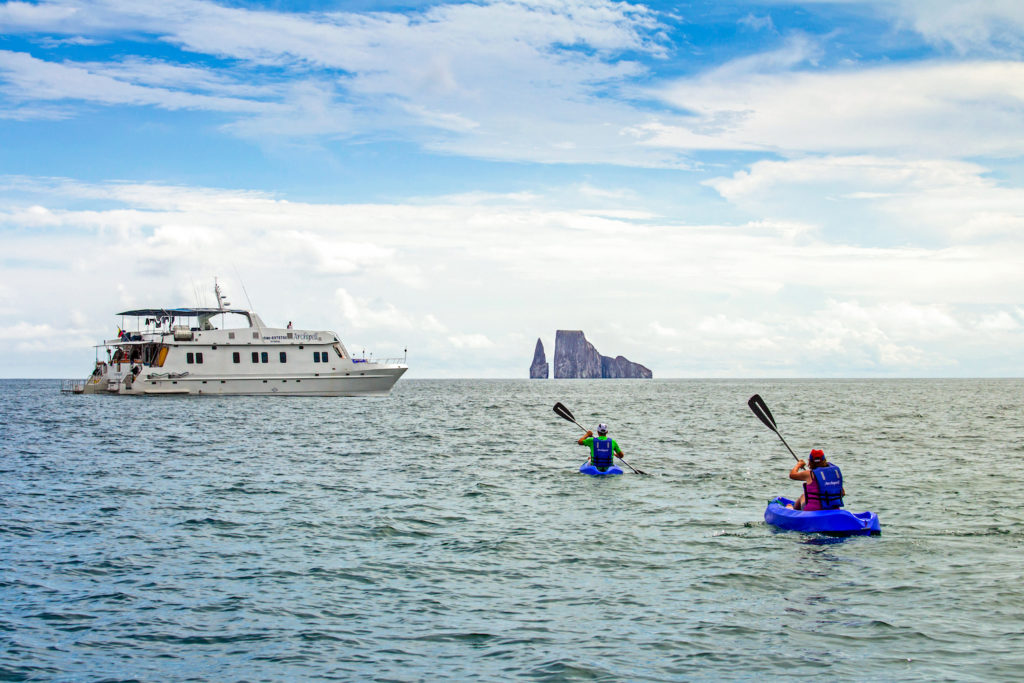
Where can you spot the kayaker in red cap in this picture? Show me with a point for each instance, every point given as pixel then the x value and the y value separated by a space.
pixel 823 484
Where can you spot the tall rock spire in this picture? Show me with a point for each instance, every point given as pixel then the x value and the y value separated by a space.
pixel 539 367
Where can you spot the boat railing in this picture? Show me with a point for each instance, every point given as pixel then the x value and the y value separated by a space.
pixel 380 361
pixel 72 386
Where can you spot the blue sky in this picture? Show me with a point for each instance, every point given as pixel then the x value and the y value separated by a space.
pixel 718 189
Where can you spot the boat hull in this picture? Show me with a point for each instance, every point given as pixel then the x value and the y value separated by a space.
pixel 371 382
pixel 832 522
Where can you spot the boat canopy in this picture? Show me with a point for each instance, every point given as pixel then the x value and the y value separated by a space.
pixel 181 312
pixel 203 314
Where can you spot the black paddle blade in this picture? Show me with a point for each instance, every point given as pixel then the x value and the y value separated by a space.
pixel 759 408
pixel 563 412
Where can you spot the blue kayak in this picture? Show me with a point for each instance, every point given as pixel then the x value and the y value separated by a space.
pixel 587 468
pixel 836 522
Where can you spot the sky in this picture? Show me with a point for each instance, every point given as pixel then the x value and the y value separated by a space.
pixel 774 188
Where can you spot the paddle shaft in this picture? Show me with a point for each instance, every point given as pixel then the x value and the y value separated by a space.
pixel 795 457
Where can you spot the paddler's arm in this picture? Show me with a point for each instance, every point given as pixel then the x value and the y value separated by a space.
pixel 799 473
pixel 585 436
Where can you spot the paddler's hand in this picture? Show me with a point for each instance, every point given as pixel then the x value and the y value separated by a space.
pixel 800 464
pixel 589 433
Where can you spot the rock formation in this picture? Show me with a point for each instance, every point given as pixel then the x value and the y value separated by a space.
pixel 620 367
pixel 576 358
pixel 539 367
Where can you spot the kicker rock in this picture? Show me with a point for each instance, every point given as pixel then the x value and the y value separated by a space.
pixel 576 358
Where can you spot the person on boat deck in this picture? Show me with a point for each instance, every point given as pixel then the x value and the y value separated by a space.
pixel 603 449
pixel 823 484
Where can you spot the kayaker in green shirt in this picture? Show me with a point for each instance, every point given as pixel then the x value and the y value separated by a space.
pixel 602 449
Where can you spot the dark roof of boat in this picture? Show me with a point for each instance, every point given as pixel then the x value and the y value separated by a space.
pixel 181 312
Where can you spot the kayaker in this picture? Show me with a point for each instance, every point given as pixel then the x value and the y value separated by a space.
pixel 603 449
pixel 823 484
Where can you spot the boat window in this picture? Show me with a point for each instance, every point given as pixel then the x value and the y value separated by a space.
pixel 255 357
pixel 199 358
pixel 264 356
pixel 231 335
pixel 255 335
pixel 337 350
pixel 284 357
pixel 190 357
pixel 236 357
pixel 316 356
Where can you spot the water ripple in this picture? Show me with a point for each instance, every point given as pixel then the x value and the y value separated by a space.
pixel 444 533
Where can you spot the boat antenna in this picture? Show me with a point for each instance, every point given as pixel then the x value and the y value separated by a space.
pixel 248 300
pixel 222 300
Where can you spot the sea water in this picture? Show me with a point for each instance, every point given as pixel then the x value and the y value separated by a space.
pixel 444 532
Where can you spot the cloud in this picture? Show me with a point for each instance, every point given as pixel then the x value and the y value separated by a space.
pixel 763 103
pixel 361 313
pixel 917 201
pixel 471 341
pixel 28 78
pixel 40 337
pixel 427 75
pixel 1000 321
pixel 990 26
pixel 693 300
pixel 756 23
pixel 573 74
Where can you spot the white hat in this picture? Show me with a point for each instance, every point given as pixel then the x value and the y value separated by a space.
pixel 602 428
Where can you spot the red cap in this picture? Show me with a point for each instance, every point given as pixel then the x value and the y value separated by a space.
pixel 817 454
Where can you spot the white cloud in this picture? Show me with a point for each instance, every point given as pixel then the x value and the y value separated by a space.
pixel 757 23
pixel 1001 321
pixel 709 299
pixel 917 201
pixel 471 341
pixel 965 25
pixel 362 313
pixel 917 108
pixel 720 326
pixel 410 75
pixel 29 78
pixel 41 337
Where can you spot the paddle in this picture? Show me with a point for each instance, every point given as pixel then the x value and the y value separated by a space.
pixel 759 408
pixel 564 413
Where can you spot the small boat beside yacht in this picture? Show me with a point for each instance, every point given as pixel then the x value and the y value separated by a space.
pixel 229 352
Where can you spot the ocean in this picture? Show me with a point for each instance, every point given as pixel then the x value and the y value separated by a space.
pixel 443 532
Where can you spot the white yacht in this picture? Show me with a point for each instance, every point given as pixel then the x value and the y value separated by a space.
pixel 198 351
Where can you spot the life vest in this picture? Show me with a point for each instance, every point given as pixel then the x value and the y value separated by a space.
pixel 603 456
pixel 825 492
